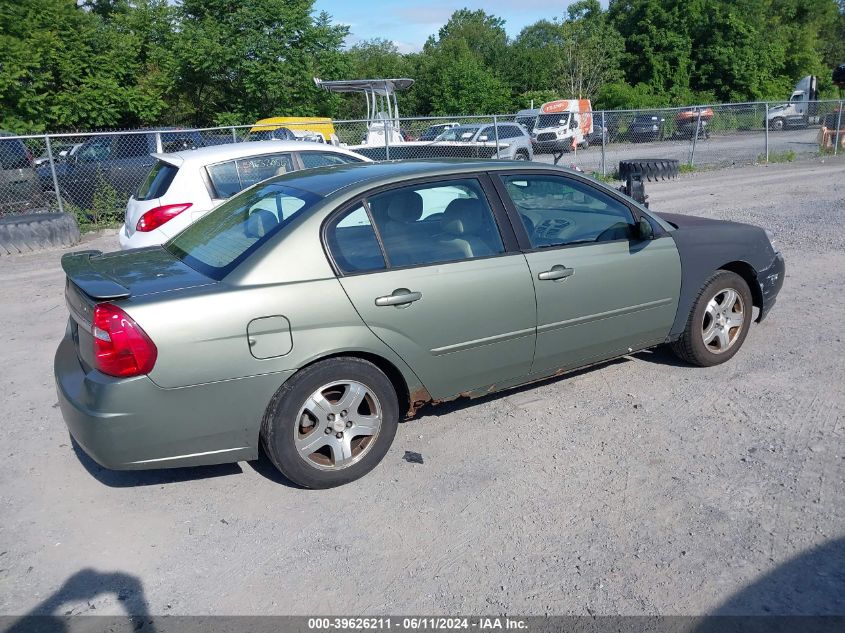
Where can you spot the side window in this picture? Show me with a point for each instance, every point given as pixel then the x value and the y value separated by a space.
pixel 129 146
pixel 324 159
pixel 435 222
pixel 488 132
pixel 224 179
pixel 234 176
pixel 352 242
pixel 254 170
pixel 507 131
pixel 557 211
pixel 95 151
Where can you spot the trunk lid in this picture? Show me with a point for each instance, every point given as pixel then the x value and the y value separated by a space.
pixel 94 277
pixel 135 273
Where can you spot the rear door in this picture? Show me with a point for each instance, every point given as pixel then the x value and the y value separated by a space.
pixel 601 291
pixel 436 277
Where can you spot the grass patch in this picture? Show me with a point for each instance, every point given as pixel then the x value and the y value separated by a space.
pixel 686 168
pixel 607 178
pixel 778 157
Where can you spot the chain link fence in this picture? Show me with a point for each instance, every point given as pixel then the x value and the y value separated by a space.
pixel 93 174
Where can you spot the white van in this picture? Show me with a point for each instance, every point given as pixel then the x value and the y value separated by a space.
pixel 558 126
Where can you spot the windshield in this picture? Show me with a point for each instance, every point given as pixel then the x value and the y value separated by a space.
pixel 460 133
pixel 527 122
pixel 645 118
pixel 216 243
pixel 553 120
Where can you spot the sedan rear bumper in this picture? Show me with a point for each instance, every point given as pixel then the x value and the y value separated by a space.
pixel 132 423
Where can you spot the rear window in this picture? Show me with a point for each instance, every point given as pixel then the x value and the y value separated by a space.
pixel 13 154
pixel 324 159
pixel 216 243
pixel 157 182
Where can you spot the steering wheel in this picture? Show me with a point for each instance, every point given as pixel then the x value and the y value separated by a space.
pixel 619 231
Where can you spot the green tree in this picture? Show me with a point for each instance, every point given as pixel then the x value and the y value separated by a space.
pixel 64 66
pixel 241 60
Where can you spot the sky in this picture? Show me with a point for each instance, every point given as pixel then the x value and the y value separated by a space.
pixel 408 23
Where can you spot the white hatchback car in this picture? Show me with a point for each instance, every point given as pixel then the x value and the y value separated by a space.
pixel 183 186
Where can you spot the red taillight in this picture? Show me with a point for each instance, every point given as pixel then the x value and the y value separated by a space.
pixel 154 218
pixel 121 347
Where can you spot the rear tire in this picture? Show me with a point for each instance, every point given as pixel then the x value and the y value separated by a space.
pixel 331 423
pixel 719 321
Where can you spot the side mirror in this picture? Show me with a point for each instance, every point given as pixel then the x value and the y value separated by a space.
pixel 645 230
pixel 573 124
pixel 482 138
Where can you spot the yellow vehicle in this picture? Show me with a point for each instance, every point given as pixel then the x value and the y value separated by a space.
pixel 294 128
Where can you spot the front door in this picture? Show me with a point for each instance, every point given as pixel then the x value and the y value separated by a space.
pixel 601 291
pixel 434 282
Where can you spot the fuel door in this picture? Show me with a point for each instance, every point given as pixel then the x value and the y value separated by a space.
pixel 269 337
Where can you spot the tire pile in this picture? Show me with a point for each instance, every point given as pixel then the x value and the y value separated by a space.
pixel 36 231
pixel 652 169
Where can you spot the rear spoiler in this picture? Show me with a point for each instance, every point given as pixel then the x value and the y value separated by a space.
pixel 81 272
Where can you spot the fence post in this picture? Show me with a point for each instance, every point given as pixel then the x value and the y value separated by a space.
pixel 53 173
pixel 496 134
pixel 838 127
pixel 386 139
pixel 604 139
pixel 695 138
pixel 234 135
pixel 766 126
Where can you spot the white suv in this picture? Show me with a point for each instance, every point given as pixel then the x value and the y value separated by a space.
pixel 183 186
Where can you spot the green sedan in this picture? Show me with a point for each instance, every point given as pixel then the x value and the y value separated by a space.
pixel 313 311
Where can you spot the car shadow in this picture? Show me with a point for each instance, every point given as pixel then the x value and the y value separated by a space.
pixel 53 614
pixel 264 467
pixel 806 593
pixel 137 478
pixel 662 356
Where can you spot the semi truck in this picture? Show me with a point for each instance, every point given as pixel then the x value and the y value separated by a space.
pixel 800 111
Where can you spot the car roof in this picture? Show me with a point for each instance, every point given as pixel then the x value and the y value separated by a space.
pixel 229 151
pixel 325 181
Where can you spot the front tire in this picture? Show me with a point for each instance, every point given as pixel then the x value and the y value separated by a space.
pixel 719 321
pixel 331 423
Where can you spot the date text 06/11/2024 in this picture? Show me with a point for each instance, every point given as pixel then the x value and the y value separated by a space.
pixel 416 624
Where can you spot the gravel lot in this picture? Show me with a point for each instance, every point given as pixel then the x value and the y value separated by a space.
pixel 640 487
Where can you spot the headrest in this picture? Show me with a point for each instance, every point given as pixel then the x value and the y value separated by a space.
pixel 463 215
pixel 405 206
pixel 260 222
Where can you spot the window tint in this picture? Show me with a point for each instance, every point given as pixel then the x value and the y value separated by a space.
pixel 180 141
pixel 435 222
pixel 129 146
pixel 557 211
pixel 216 243
pixel 95 150
pixel 234 176
pixel 322 159
pixel 353 242
pixel 13 155
pixel 508 131
pixel 157 181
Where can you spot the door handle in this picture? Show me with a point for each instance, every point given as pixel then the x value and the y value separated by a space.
pixel 399 297
pixel 556 273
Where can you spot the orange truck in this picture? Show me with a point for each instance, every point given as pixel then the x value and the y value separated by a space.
pixel 559 126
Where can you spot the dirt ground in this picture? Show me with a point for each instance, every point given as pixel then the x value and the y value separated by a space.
pixel 643 486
